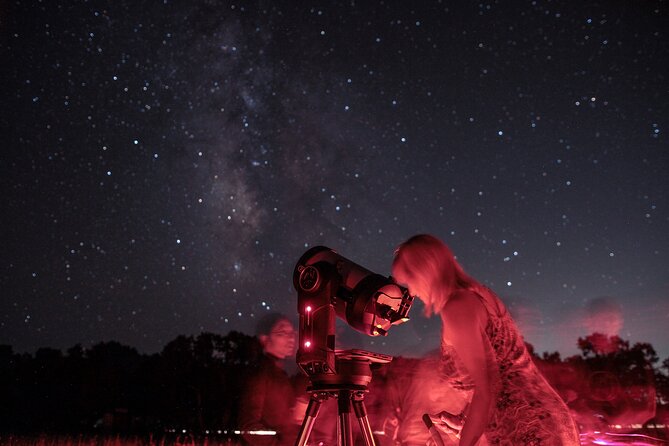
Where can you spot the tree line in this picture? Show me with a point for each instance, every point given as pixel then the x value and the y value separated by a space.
pixel 194 383
pixel 611 382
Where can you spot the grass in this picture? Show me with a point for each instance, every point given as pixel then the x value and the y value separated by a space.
pixel 110 440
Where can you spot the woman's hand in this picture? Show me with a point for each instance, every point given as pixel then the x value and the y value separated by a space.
pixel 449 423
pixel 299 410
pixel 453 421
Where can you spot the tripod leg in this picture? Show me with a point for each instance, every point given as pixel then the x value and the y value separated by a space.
pixel 361 414
pixel 309 418
pixel 344 432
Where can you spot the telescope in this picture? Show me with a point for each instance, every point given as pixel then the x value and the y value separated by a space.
pixel 329 286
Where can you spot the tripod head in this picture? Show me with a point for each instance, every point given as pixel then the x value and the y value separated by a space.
pixel 328 286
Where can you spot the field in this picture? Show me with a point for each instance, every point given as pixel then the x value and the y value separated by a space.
pixel 110 440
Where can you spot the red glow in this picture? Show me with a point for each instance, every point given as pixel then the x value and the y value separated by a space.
pixel 307 344
pixel 308 308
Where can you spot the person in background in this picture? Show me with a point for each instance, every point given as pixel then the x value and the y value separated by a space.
pixel 483 353
pixel 267 412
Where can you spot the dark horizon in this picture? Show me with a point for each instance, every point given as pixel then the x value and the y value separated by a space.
pixel 195 385
pixel 293 367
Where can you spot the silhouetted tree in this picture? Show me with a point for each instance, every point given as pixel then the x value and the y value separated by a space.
pixel 662 382
pixel 9 387
pixel 240 352
pixel 177 364
pixel 619 379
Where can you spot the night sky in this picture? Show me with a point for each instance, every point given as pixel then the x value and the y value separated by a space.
pixel 164 164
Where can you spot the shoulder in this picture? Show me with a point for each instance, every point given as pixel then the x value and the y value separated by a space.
pixel 464 307
pixel 464 299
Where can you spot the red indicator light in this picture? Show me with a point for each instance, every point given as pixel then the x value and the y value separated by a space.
pixel 308 308
pixel 307 344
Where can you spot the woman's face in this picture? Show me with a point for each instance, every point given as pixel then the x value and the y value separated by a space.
pixel 413 282
pixel 280 341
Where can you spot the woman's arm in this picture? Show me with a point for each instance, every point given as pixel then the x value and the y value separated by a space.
pixel 465 318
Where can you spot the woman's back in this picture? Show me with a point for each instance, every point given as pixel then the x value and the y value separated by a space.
pixel 526 409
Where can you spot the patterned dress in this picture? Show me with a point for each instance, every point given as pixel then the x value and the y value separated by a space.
pixel 527 411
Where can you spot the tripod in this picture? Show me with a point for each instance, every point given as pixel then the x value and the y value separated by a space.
pixel 349 386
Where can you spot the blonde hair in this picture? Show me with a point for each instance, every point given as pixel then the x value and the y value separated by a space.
pixel 427 259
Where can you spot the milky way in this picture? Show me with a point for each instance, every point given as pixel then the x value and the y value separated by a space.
pixel 166 164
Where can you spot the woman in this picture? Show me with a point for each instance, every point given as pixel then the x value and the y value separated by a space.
pixel 483 354
pixel 268 399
